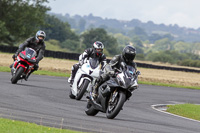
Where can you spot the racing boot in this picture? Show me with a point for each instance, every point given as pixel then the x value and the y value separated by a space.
pixel 71 79
pixel 98 83
pixel 27 76
pixel 71 82
pixel 75 68
pixel 11 65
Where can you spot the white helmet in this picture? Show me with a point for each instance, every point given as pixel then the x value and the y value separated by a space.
pixel 98 48
pixel 41 34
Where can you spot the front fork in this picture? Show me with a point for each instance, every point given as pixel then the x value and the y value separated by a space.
pixel 13 68
pixel 113 96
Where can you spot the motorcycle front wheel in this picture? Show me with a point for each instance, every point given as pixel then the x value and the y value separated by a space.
pixel 115 106
pixel 82 89
pixel 89 110
pixel 71 95
pixel 17 75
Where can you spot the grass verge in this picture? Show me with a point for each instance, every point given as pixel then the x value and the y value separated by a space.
pixel 185 110
pixel 169 85
pixel 40 72
pixel 13 126
pixel 4 69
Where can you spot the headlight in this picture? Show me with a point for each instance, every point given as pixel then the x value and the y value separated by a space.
pixel 22 56
pixel 133 86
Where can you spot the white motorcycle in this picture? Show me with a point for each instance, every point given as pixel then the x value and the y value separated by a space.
pixel 85 78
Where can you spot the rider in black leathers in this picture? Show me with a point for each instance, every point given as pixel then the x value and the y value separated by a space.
pixel 95 52
pixel 36 43
pixel 127 56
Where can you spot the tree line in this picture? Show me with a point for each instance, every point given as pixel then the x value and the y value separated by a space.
pixel 20 19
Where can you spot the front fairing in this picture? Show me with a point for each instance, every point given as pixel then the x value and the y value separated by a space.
pixel 28 54
pixel 126 79
pixel 91 67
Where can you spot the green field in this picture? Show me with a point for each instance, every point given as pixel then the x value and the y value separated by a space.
pixel 169 85
pixel 186 110
pixel 13 126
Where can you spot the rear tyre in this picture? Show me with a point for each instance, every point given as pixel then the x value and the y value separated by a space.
pixel 17 75
pixel 82 89
pixel 115 107
pixel 89 110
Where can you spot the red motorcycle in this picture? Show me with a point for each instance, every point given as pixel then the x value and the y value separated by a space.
pixel 23 65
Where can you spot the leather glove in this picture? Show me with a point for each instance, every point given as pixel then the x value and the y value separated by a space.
pixel 81 62
pixel 37 61
pixel 111 73
pixel 14 57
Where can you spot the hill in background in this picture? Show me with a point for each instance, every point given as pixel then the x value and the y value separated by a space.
pixel 149 29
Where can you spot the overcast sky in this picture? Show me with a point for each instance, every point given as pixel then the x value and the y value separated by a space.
pixel 185 13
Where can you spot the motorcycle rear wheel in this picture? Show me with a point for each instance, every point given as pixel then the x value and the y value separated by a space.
pixel 118 104
pixel 17 75
pixel 82 89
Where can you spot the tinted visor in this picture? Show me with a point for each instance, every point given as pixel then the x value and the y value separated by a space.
pixel 99 49
pixel 41 37
pixel 129 56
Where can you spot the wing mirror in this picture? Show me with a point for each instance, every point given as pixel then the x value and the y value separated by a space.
pixel 138 73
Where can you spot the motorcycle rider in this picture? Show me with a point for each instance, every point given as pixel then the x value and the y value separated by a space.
pixel 36 43
pixel 127 57
pixel 95 52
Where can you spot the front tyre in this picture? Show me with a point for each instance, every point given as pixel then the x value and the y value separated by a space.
pixel 89 110
pixel 115 106
pixel 82 89
pixel 17 75
pixel 71 95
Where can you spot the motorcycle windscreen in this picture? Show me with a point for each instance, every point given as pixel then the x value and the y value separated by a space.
pixel 30 53
pixel 94 62
pixel 131 74
pixel 130 71
pixel 124 79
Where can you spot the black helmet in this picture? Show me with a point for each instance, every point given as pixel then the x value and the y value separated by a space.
pixel 98 48
pixel 129 53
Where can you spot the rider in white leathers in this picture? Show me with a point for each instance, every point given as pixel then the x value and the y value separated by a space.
pixel 95 52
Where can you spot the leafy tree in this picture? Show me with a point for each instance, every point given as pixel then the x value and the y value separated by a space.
pixel 137 42
pixel 139 32
pixel 54 45
pixel 58 30
pixel 110 43
pixel 139 50
pixel 195 48
pixel 173 57
pixel 169 36
pixel 181 47
pixel 163 44
pixel 3 32
pixel 154 37
pixel 20 18
pixel 81 25
pixel 122 40
pixel 72 45
pixel 140 57
pixel 160 57
pixel 188 62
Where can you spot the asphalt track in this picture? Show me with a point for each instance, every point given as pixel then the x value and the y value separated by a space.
pixel 44 100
